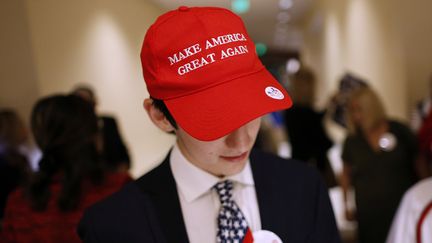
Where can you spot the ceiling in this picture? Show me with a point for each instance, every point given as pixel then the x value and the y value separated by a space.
pixel 261 20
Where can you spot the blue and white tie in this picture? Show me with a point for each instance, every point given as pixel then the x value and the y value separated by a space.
pixel 232 225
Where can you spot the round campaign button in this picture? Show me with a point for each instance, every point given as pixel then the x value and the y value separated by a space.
pixel 274 93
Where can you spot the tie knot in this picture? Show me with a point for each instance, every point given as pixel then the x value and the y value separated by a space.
pixel 224 190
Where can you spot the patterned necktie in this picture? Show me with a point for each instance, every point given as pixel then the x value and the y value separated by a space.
pixel 232 225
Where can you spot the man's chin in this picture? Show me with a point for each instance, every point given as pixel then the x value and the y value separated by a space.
pixel 233 168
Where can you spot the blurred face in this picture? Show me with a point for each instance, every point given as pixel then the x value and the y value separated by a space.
pixel 304 92
pixel 356 113
pixel 221 157
pixel 12 129
pixel 22 133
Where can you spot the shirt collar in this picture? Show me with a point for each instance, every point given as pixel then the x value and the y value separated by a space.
pixel 193 182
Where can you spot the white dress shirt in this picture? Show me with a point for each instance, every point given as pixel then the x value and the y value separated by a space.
pixel 200 203
pixel 405 222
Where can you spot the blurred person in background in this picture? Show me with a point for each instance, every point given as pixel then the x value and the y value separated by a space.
pixel 14 166
pixel 335 116
pixel 70 177
pixel 339 101
pixel 379 158
pixel 422 123
pixel 306 133
pixel 413 221
pixel 422 110
pixel 424 136
pixel 115 153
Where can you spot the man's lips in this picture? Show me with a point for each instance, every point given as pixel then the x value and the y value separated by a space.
pixel 236 158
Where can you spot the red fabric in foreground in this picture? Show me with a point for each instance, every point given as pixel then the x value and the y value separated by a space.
pixel 248 237
pixel 22 224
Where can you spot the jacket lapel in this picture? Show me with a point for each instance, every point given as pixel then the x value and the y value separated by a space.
pixel 160 186
pixel 266 194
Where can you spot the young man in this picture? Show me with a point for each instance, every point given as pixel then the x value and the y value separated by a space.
pixel 209 88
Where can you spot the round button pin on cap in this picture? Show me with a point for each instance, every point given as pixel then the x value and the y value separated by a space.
pixel 183 8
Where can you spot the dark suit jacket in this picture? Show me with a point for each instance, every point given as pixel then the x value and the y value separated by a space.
pixel 293 203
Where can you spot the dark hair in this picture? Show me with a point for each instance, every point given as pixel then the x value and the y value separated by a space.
pixel 65 128
pixel 85 92
pixel 160 105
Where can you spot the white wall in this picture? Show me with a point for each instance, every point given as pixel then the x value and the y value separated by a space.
pixel 363 37
pixel 388 42
pixel 416 27
pixel 18 84
pixel 98 42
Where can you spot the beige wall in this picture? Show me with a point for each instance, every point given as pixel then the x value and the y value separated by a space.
pixel 365 38
pixel 18 84
pixel 416 25
pixel 59 44
pixel 99 42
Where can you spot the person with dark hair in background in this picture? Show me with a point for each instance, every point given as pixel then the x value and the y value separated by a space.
pixel 207 85
pixel 380 163
pixel 115 153
pixel 305 128
pixel 14 166
pixel 339 101
pixel 70 177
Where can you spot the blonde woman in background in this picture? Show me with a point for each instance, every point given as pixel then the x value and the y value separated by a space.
pixel 379 157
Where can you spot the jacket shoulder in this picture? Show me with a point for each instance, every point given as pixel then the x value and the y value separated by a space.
pixel 128 195
pixel 285 167
pixel 124 211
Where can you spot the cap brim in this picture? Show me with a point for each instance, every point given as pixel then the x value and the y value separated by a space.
pixel 217 111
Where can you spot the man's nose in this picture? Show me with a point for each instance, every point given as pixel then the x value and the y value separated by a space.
pixel 238 139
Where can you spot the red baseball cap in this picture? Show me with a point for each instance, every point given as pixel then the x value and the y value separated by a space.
pixel 202 63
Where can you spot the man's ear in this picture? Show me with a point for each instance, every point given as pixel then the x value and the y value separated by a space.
pixel 157 117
